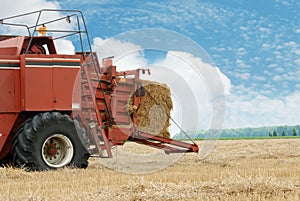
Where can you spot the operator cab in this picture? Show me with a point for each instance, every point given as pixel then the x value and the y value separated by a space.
pixel 17 45
pixel 38 45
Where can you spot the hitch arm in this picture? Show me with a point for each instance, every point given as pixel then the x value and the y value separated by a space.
pixel 166 144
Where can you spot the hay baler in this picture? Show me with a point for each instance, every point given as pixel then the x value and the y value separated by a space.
pixel 57 110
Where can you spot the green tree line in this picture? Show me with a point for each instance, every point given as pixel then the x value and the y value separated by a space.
pixel 267 131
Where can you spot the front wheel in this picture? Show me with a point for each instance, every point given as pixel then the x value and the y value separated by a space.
pixel 50 141
pixel 57 151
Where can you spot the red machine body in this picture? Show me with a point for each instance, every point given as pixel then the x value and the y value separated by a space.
pixel 35 80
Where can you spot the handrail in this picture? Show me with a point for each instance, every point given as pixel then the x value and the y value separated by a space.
pixel 32 29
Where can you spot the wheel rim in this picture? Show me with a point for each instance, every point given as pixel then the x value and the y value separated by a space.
pixel 57 151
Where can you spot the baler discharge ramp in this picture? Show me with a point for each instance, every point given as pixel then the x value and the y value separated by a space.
pixel 166 144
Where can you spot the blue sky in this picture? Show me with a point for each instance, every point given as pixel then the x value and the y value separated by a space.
pixel 256 44
pixel 243 37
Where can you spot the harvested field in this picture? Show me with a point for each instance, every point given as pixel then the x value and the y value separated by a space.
pixel 235 170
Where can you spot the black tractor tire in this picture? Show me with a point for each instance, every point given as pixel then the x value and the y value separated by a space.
pixel 49 141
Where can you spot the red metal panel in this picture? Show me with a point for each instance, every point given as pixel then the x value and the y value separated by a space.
pixel 38 89
pixel 49 81
pixel 11 46
pixel 118 136
pixel 7 90
pixel 6 123
pixel 17 91
pixel 63 86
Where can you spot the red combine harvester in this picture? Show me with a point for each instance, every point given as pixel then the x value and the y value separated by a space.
pixel 57 110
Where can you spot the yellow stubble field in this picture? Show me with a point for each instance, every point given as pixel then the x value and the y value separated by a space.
pixel 235 170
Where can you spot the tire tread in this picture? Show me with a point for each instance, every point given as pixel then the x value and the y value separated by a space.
pixel 23 151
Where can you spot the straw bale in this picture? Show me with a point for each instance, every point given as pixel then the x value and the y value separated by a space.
pixel 153 115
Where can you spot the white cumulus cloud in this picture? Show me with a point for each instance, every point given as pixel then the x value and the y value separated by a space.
pixel 126 55
pixel 202 85
pixel 17 7
pixel 194 83
pixel 261 110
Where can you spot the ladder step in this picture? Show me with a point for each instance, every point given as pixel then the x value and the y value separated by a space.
pixel 122 119
pixel 94 84
pixel 123 89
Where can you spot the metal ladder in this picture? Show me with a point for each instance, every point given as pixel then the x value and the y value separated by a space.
pixel 93 113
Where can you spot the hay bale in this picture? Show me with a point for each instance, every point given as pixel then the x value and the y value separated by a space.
pixel 154 118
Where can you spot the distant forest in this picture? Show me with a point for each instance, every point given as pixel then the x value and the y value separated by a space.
pixel 269 131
